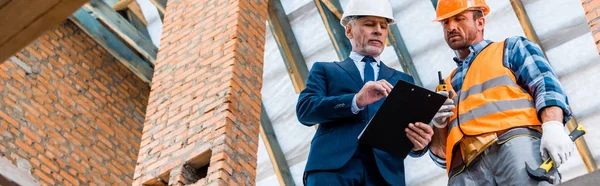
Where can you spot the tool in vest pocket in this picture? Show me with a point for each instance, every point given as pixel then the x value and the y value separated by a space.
pixel 541 173
pixel 442 85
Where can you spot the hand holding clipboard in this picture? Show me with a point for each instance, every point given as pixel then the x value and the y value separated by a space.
pixel 407 103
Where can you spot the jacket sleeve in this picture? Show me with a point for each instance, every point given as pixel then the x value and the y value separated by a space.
pixel 315 106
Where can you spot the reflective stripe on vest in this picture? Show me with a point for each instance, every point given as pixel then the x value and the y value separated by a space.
pixel 491 108
pixel 479 88
pixel 489 100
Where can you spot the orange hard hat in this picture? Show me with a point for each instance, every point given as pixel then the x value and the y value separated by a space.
pixel 449 8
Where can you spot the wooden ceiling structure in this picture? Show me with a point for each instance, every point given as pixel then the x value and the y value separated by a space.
pixel 120 27
pixel 19 28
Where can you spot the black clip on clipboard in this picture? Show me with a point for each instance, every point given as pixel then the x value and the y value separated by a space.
pixel 407 103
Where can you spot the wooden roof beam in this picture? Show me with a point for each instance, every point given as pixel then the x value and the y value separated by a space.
pixel 288 46
pixel 19 28
pixel 336 32
pixel 137 11
pixel 112 44
pixel 395 39
pixel 161 5
pixel 282 169
pixel 123 29
pixel 122 5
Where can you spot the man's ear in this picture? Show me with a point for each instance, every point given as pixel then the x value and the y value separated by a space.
pixel 349 31
pixel 480 23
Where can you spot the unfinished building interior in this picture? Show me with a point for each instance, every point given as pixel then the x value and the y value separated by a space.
pixel 180 92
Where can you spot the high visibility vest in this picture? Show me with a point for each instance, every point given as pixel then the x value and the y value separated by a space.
pixel 489 100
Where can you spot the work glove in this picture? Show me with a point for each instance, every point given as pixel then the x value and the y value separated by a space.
pixel 441 117
pixel 556 143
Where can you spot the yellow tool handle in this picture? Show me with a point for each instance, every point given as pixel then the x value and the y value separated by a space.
pixel 547 165
pixel 578 132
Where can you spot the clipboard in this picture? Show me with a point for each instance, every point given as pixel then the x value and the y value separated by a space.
pixel 407 103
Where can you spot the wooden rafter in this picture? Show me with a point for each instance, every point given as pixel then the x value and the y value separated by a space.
pixel 19 27
pixel 336 32
pixel 278 160
pixel 122 5
pixel 137 11
pixel 161 5
pixel 123 29
pixel 288 46
pixel 112 44
pixel 406 62
pixel 138 24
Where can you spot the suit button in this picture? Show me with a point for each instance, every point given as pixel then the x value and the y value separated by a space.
pixel 363 120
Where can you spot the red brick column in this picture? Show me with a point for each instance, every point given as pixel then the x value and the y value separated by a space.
pixel 592 13
pixel 204 106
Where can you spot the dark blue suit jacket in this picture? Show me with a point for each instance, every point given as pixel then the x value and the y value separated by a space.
pixel 326 100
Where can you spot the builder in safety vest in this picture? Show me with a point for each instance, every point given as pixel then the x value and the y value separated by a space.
pixel 508 107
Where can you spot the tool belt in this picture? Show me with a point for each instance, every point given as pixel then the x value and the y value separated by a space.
pixel 470 147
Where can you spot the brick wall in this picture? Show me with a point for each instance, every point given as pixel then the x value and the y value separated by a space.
pixel 205 99
pixel 592 13
pixel 76 115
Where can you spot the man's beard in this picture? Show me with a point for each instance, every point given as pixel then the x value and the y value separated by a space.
pixel 463 43
pixel 459 45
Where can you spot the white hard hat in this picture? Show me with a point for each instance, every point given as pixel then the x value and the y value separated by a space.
pixel 379 8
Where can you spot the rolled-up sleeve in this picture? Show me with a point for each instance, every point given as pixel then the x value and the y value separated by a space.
pixel 534 73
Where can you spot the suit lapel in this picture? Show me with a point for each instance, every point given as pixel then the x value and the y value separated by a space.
pixel 350 68
pixel 385 72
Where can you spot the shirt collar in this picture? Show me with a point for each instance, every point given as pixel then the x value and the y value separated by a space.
pixel 475 49
pixel 358 57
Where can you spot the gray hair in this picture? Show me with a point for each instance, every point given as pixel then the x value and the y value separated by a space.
pixel 352 18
